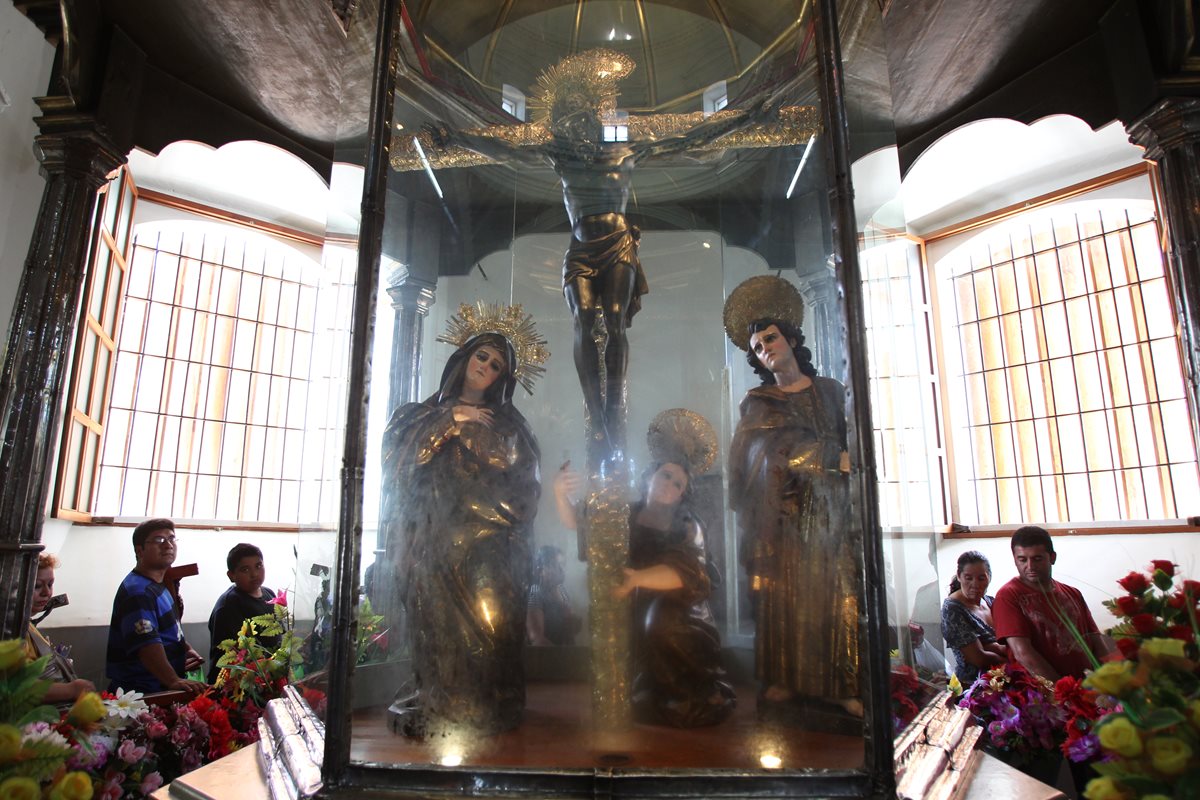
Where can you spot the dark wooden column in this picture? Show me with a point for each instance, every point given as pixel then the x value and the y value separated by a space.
pixel 1170 132
pixel 76 159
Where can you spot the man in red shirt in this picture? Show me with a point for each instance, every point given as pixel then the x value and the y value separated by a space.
pixel 1034 614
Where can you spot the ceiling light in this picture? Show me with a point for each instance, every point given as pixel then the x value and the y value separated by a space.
pixel 800 166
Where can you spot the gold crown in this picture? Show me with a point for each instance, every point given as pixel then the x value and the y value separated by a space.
pixel 682 435
pixel 760 297
pixel 513 324
pixel 583 80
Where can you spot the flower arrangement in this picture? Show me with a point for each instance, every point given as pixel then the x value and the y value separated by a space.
pixel 1019 713
pixel 253 673
pixel 372 640
pixel 1151 742
pixel 907 692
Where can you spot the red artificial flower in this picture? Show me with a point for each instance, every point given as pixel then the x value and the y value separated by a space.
pixel 1075 698
pixel 1177 600
pixel 1192 589
pixel 1166 566
pixel 1128 647
pixel 1183 632
pixel 1129 605
pixel 1145 624
pixel 1135 583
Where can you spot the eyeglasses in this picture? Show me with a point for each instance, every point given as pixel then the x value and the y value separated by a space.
pixel 160 540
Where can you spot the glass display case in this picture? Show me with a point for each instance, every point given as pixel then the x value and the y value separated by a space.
pixel 610 482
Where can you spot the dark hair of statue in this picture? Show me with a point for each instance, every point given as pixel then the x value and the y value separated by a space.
pixel 791 333
pixel 683 511
pixel 1032 536
pixel 964 561
pixel 500 392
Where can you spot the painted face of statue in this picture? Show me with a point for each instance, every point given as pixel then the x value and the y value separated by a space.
pixel 773 349
pixel 667 485
pixel 484 367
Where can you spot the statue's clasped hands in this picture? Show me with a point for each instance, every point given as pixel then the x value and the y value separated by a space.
pixel 465 413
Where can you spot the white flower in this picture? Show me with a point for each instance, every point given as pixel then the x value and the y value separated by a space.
pixel 126 705
pixel 41 732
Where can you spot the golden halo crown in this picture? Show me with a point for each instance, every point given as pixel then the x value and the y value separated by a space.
pixel 588 79
pixel 760 297
pixel 511 322
pixel 682 435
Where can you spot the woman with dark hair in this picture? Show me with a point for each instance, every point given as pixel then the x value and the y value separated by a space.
pixel 678 677
pixel 967 619
pixel 789 483
pixel 461 481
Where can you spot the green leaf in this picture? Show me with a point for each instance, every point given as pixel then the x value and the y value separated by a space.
pixel 1187 786
pixel 39 714
pixel 1161 718
pixel 1163 581
pixel 1144 785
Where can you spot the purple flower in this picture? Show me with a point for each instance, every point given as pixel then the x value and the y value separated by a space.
pixel 1084 748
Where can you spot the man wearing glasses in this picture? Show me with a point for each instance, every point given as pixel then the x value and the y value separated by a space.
pixel 146 649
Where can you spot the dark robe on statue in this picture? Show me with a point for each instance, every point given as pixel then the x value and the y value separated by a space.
pixel 457 515
pixel 679 678
pixel 796 541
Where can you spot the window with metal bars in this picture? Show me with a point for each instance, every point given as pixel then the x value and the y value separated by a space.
pixel 1065 389
pixel 908 451
pixel 224 399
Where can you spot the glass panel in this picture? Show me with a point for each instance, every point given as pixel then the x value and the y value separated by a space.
pixel 620 199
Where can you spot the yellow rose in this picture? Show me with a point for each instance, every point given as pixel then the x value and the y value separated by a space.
pixel 73 786
pixel 1120 736
pixel 1111 678
pixel 20 788
pixel 88 708
pixel 1104 789
pixel 1164 647
pixel 10 742
pixel 1168 755
pixel 12 655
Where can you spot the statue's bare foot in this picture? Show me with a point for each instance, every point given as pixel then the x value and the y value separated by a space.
pixel 851 705
pixel 777 694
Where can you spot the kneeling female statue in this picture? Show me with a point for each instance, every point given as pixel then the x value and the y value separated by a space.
pixel 461 488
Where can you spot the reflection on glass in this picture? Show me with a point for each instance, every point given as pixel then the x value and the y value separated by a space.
pixel 789 483
pixel 461 488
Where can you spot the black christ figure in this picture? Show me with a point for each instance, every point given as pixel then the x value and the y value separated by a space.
pixel 603 280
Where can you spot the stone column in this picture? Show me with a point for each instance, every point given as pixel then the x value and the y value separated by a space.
pixel 823 322
pixel 1170 132
pixel 76 159
pixel 412 295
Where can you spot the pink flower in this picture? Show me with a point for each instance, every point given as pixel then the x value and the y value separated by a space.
pixel 155 729
pixel 150 783
pixel 279 599
pixel 381 639
pixel 111 790
pixel 180 735
pixel 130 752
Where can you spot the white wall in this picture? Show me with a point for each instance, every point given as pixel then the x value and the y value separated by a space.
pixel 25 60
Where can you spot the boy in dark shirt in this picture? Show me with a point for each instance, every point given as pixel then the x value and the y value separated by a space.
pixel 245 599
